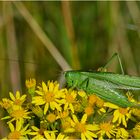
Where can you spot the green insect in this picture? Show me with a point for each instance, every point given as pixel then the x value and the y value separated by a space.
pixel 106 85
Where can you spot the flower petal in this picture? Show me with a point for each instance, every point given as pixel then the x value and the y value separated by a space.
pixel 75 118
pixel 11 126
pixel 17 94
pixel 11 96
pixel 84 118
pixel 46 108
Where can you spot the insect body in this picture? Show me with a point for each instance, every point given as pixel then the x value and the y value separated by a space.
pixel 105 85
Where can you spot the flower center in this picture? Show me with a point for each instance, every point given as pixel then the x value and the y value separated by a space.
pixel 51 117
pixel 17 102
pixel 69 98
pixel 80 127
pixel 92 99
pixel 106 126
pixel 49 97
pixel 17 114
pixel 123 111
pixel 89 110
pixel 30 83
pixel 14 135
pixel 99 103
pixel 6 104
pixel 64 114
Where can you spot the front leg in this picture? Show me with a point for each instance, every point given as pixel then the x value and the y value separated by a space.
pixel 84 84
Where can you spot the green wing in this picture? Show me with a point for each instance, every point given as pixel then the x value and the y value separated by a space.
pixel 115 81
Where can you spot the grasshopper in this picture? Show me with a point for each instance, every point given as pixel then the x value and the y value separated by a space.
pixel 106 85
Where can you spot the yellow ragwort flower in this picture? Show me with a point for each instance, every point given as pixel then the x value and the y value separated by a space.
pixel 18 132
pixel 92 99
pixel 122 115
pixel 52 136
pixel 136 131
pixel 66 124
pixel 18 114
pixel 85 130
pixel 50 96
pixel 51 117
pixel 6 103
pixel 17 100
pixel 70 97
pixel 136 112
pixel 122 133
pixel 62 114
pixel 89 110
pixel 106 129
pixel 31 83
pixel 37 133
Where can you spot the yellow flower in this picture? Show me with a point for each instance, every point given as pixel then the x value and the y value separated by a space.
pixel 18 132
pixel 18 114
pixel 51 117
pixel 130 96
pixel 136 131
pixel 89 110
pixel 136 112
pixel 31 83
pixel 99 102
pixel 122 133
pixel 37 110
pixel 106 128
pixel 63 114
pixel 6 103
pixel 66 124
pixel 82 93
pixel 52 136
pixel 70 99
pixel 50 95
pixel 38 133
pixel 92 99
pixel 83 129
pixel 122 115
pixel 17 100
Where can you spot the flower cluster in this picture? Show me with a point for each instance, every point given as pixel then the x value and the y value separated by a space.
pixel 48 112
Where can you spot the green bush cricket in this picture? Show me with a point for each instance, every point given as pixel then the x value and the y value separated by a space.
pixel 106 85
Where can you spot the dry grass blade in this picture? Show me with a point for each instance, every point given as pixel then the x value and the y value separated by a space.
pixel 70 32
pixel 120 38
pixel 12 46
pixel 42 36
pixel 135 14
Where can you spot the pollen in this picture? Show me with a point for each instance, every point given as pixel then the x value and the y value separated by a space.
pixel 106 126
pixel 92 99
pixel 80 127
pixel 123 111
pixel 14 135
pixel 30 83
pixel 69 98
pixel 51 117
pixel 18 102
pixel 6 103
pixel 49 97
pixel 99 103
pixel 89 110
pixel 19 113
pixel 64 114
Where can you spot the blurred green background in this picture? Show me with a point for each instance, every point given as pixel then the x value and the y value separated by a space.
pixel 42 39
